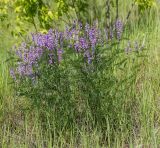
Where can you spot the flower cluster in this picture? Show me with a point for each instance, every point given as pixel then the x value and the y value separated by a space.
pixel 82 39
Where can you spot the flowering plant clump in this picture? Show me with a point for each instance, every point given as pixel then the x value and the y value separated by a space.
pixel 82 39
pixel 73 70
pixel 54 43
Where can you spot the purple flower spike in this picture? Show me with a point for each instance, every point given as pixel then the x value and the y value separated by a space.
pixel 92 36
pixel 119 28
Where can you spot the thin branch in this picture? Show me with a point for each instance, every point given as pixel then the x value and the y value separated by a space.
pixel 117 9
pixel 108 13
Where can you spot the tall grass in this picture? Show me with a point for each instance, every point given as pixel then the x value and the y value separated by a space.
pixel 132 115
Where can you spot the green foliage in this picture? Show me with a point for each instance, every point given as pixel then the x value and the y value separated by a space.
pixel 144 4
pixel 4 9
pixel 28 10
pixel 62 7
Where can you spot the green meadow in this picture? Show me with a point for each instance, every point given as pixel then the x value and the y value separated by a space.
pixel 116 104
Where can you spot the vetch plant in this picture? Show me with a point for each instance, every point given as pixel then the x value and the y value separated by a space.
pixel 72 71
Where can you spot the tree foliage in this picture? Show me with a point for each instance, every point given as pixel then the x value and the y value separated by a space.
pixel 43 14
pixel 144 4
pixel 28 10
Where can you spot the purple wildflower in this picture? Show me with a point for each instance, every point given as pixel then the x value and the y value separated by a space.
pixel 19 54
pixel 50 59
pixel 12 73
pixel 77 47
pixel 21 69
pixel 87 27
pixel 92 36
pixel 119 28
pixel 49 42
pixel 44 40
pixel 83 43
pixel 88 56
pixel 29 70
